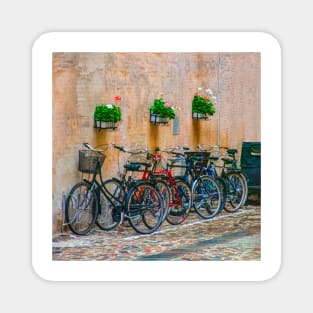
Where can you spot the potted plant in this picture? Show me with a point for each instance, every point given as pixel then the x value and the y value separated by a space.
pixel 107 115
pixel 161 112
pixel 202 105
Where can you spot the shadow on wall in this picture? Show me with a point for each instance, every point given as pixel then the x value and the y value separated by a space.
pixel 101 137
pixel 153 134
pixel 195 131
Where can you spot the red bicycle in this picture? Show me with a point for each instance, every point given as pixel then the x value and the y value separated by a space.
pixel 180 200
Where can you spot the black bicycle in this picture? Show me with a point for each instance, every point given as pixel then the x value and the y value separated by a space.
pixel 229 174
pixel 207 194
pixel 139 160
pixel 91 201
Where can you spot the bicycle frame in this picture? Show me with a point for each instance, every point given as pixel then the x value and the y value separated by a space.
pixel 228 168
pixel 96 186
pixel 108 202
pixel 169 179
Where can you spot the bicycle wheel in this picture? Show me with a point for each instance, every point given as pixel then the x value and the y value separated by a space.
pixel 207 197
pixel 163 188
pixel 180 203
pixel 222 185
pixel 81 208
pixel 144 208
pixel 109 215
pixel 237 191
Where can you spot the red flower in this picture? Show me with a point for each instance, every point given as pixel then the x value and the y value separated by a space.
pixel 196 93
pixel 117 98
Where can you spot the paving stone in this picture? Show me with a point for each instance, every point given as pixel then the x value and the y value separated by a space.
pixel 229 236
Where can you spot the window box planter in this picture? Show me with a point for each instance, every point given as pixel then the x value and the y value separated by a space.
pixel 107 115
pixel 156 119
pixel 203 105
pixel 105 125
pixel 161 112
pixel 199 116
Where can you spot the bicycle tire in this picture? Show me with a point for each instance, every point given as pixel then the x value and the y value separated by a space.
pixel 181 192
pixel 81 208
pixel 237 191
pixel 163 188
pixel 207 197
pixel 144 208
pixel 223 189
pixel 109 215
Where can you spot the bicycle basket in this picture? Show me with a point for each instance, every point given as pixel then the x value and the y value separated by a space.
pixel 198 158
pixel 88 160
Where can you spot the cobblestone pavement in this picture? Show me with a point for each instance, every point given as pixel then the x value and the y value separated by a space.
pixel 235 236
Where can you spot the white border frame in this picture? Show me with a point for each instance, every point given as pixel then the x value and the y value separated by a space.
pixel 42 261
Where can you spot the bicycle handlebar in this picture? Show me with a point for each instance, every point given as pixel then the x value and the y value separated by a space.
pixel 202 148
pixel 90 147
pixel 121 148
pixel 171 151
pixel 182 148
pixel 118 147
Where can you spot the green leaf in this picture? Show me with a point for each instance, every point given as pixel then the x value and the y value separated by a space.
pixel 202 105
pixel 105 114
pixel 160 109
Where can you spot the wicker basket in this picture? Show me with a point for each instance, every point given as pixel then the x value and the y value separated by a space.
pixel 90 161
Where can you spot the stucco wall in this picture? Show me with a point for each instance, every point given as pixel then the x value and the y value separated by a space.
pixel 81 80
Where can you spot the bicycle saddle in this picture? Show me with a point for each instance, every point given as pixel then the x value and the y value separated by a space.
pixel 232 151
pixel 135 166
pixel 132 166
pixel 213 158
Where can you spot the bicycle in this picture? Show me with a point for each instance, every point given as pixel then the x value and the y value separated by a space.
pixel 231 176
pixel 176 194
pixel 180 200
pixel 207 194
pixel 141 203
pixel 118 186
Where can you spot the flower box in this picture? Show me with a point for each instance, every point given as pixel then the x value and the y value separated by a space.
pixel 107 115
pixel 203 106
pixel 199 116
pixel 156 119
pixel 105 125
pixel 161 112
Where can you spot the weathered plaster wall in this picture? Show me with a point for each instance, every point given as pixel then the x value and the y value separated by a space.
pixel 81 80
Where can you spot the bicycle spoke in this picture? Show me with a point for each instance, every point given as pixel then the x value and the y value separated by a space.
pixel 207 197
pixel 145 208
pixel 81 208
pixel 236 191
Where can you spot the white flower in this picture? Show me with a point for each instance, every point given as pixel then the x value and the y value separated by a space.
pixel 209 92
pixel 109 106
pixel 199 88
pixel 213 97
